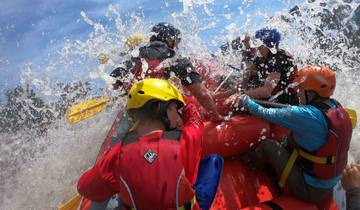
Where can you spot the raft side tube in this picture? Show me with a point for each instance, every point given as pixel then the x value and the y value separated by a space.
pixel 234 137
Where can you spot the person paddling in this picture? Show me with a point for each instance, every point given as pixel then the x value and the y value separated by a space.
pixel 158 59
pixel 321 131
pixel 156 165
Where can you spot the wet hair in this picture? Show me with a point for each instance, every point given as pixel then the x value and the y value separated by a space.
pixel 152 110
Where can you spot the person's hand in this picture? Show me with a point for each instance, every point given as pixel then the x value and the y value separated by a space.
pixel 242 100
pixel 351 177
pixel 232 99
pixel 246 41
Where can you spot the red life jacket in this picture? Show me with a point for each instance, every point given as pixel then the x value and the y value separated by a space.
pixel 145 68
pixel 335 150
pixel 152 174
pixel 330 160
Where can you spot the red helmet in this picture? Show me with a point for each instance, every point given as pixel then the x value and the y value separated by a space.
pixel 320 79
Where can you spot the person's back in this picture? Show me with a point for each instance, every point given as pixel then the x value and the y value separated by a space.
pixel 155 172
pixel 155 165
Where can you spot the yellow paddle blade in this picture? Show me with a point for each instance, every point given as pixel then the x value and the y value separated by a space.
pixel 84 110
pixel 72 204
pixel 353 116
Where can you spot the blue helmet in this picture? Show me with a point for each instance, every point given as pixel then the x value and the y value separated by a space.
pixel 270 37
pixel 163 31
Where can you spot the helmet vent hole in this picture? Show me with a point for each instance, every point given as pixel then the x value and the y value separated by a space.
pixel 141 92
pixel 322 86
pixel 129 95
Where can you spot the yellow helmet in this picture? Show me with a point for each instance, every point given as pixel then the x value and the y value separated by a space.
pixel 149 89
pixel 134 40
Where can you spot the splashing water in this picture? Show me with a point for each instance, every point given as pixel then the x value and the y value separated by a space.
pixel 39 168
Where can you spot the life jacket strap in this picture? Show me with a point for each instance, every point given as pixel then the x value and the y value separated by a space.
pixel 273 205
pixel 316 159
pixel 189 205
pixel 288 167
pixel 299 152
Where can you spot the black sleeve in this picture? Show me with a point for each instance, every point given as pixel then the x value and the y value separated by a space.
pixel 186 72
pixel 122 72
pixel 353 199
pixel 119 73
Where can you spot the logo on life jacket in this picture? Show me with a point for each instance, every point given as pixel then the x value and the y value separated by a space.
pixel 150 156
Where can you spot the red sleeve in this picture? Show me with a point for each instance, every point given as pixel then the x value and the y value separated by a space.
pixel 102 181
pixel 191 140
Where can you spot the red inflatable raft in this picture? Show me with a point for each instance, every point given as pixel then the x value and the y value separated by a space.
pixel 241 186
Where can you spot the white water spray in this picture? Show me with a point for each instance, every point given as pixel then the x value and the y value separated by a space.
pixel 39 171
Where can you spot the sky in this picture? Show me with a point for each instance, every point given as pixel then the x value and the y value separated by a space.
pixel 33 30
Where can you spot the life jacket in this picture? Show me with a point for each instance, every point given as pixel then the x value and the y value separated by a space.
pixel 330 159
pixel 152 174
pixel 146 68
pixel 281 62
pixel 149 61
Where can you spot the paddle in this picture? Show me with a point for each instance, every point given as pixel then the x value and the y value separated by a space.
pixel 352 113
pixel 353 116
pixel 271 104
pixel 73 203
pixel 84 110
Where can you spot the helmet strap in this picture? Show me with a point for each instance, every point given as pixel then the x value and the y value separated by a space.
pixel 306 97
pixel 162 112
pixel 311 96
pixel 170 43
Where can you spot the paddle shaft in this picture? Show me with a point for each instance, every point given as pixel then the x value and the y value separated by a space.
pixel 227 77
pixel 272 104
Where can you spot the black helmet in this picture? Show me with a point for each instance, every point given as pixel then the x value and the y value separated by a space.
pixel 163 31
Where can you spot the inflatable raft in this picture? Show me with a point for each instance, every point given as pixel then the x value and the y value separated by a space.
pixel 241 186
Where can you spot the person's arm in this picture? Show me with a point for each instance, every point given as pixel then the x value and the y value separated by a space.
pixel 118 73
pixel 265 91
pixel 249 72
pixel 101 181
pixel 191 140
pixel 204 97
pixel 351 184
pixel 295 118
pixel 121 73
pixel 193 82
